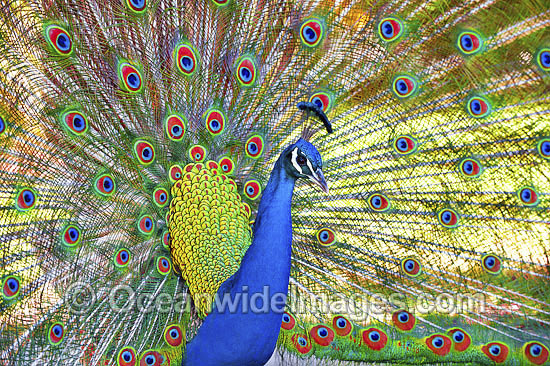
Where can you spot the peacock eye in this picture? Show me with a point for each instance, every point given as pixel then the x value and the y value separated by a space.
pixel 301 160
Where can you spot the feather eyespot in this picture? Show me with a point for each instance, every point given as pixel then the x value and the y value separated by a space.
pixel 254 146
pixel 496 351
pixel 127 357
pixel 390 29
pixel 105 185
pixel 215 121
pixel 150 358
pixel 25 199
pixel 312 32
pixel 439 344
pixel 11 287
pixel 411 267
pixel 227 166
pixel 175 127
pixel 378 202
pixel 2 126
pixel 301 343
pixel 252 189
pixel 221 3
pixel 122 258
pixel 461 339
pixel 322 100
pixel 326 237
pixel 404 86
pixel 130 78
pixel 144 151
pixel 448 218
pixel 322 335
pixel 197 153
pixel 146 225
pixel 543 148
pixel 137 6
pixel 59 39
pixel 470 168
pixel 341 325
pixel 246 71
pixel 288 322
pixel 375 338
pixel 173 335
pixel 163 265
pixel 478 107
pixel 535 352
pixel 75 122
pixel 166 239
pixel 405 145
pixel 175 173
pixel 543 59
pixel 403 320
pixel 56 333
pixel 491 264
pixel 469 42
pixel 186 59
pixel 160 196
pixel 71 236
pixel 528 196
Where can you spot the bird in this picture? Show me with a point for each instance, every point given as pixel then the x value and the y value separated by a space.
pixel 225 182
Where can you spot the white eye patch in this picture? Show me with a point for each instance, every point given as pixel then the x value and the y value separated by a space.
pixel 294 162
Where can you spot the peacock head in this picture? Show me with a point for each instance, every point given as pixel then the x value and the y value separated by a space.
pixel 302 160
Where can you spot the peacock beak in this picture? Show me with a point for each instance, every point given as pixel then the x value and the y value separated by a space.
pixel 319 180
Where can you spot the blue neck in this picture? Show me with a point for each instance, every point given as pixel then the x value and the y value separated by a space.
pixel 248 335
pixel 267 261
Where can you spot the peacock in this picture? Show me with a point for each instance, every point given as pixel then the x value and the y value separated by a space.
pixel 225 182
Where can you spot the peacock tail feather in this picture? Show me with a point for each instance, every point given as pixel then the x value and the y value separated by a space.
pixel 137 137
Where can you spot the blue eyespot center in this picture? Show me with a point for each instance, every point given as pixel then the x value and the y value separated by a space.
pixel 127 356
pixel 403 317
pixel 467 42
pixel 318 102
pixel 286 318
pixel 490 262
pixel 387 29
pixel 12 284
pixel 322 332
pixel 341 323
pixel 186 63
pixel 536 350
pixel 309 34
pixel 458 337
pixel 402 86
pixel 438 342
pixel 28 197
pixel 63 42
pixel 545 58
pixel 494 350
pixel 245 73
pixel 374 336
pixel 409 265
pixel 302 342
pixel 133 80
pixel 146 153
